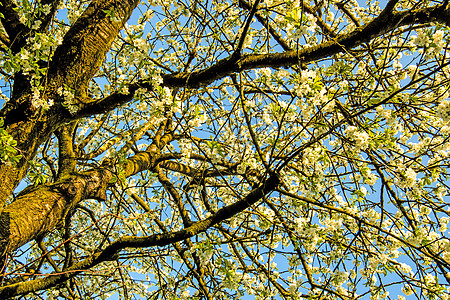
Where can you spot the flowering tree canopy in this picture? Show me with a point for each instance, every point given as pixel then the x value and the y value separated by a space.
pixel 224 149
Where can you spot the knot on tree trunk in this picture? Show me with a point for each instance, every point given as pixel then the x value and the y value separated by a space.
pixel 89 185
pixel 71 188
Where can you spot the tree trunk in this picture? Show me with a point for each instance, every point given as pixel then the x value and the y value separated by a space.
pixel 73 65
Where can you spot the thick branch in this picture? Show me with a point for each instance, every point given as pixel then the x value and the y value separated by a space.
pixel 112 101
pixel 384 23
pixel 237 51
pixel 13 27
pixel 66 157
pixel 266 24
pixel 149 241
pixel 85 45
pixel 73 65
pixel 29 136
pixel 38 210
pixel 46 19
pixel 387 21
pixel 170 188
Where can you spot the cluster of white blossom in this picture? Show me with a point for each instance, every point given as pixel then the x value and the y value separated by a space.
pixel 69 99
pixel 443 111
pixel 360 138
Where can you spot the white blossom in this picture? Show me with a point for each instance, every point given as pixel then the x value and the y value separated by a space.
pixel 360 138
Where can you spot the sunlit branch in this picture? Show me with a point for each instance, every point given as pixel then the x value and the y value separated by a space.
pixel 322 25
pixel 47 255
pixel 66 157
pixel 147 126
pixel 49 160
pixel 354 115
pixel 68 249
pixel 384 23
pixel 5 40
pixel 237 51
pixel 148 241
pixel 194 172
pixel 267 25
pixel 110 102
pixel 398 203
pixel 260 267
pixel 341 6
pixel 249 125
pixel 332 117
pixel 363 221
pixel 91 215
pixel 107 145
pixel 379 26
pixel 91 134
pixel 135 133
pixel 175 195
pixel 300 255
pixel 85 45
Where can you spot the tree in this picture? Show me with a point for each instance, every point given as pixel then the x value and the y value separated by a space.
pixel 219 149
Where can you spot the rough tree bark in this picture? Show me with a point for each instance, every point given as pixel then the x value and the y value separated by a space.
pixel 73 65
